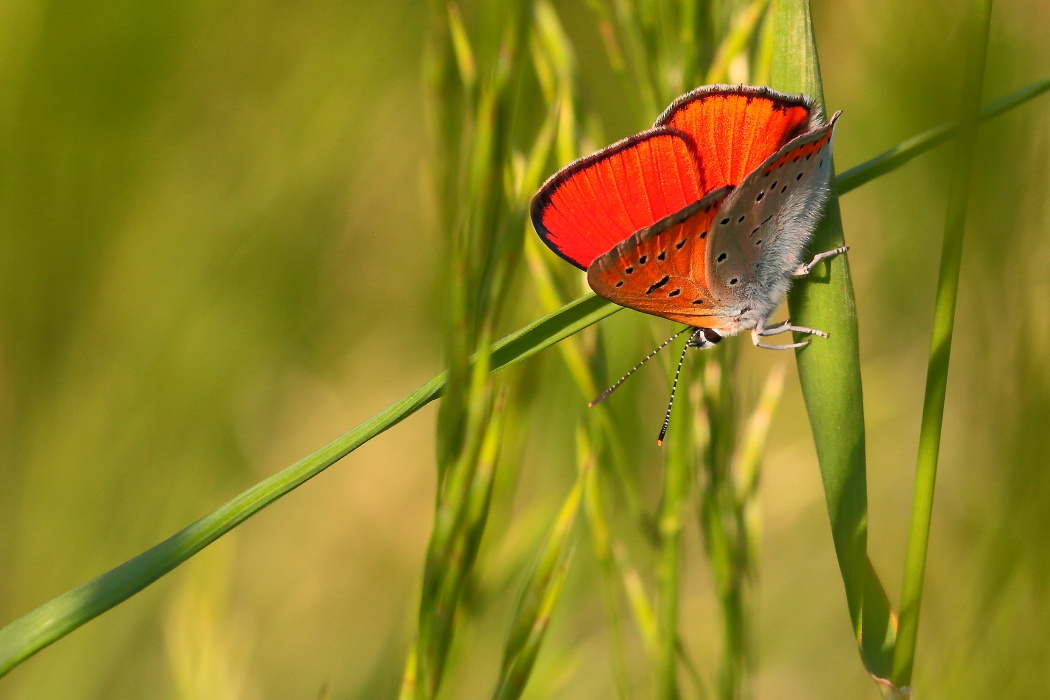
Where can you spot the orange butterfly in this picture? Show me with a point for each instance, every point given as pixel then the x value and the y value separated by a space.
pixel 702 219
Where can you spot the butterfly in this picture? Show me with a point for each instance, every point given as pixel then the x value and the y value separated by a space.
pixel 702 219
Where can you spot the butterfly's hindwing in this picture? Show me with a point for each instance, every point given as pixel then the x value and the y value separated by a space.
pixel 764 225
pixel 661 270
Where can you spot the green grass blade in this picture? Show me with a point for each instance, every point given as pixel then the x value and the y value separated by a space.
pixel 941 344
pixel 829 371
pixel 917 145
pixel 53 620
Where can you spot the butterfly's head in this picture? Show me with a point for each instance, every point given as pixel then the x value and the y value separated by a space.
pixel 704 338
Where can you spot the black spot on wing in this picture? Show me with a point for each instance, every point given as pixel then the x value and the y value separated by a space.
pixel 659 283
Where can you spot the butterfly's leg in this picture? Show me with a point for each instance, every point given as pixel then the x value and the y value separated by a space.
pixel 762 330
pixel 755 338
pixel 785 326
pixel 803 270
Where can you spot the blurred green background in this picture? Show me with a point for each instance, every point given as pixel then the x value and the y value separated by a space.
pixel 218 250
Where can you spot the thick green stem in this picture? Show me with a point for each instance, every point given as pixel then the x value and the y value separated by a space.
pixel 829 371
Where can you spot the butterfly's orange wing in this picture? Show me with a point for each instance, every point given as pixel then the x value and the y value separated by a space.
pixel 661 270
pixel 598 201
pixel 736 128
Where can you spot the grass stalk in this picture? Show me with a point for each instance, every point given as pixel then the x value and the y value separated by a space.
pixel 612 574
pixel 722 520
pixel 941 343
pixel 678 469
pixel 483 248
pixel 541 592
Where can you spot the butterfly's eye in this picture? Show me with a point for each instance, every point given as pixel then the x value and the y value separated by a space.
pixel 712 336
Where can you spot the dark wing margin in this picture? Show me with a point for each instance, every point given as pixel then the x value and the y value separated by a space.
pixel 736 127
pixel 593 203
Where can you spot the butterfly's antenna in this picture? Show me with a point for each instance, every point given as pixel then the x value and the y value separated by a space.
pixel 674 387
pixel 605 394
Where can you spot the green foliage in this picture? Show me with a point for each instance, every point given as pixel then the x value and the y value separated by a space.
pixel 172 206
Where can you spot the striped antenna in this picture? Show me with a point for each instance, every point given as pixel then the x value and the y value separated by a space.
pixel 605 394
pixel 674 386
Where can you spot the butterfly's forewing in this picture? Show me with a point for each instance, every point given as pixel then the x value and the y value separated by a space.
pixel 594 203
pixel 661 270
pixel 735 128
pixel 762 227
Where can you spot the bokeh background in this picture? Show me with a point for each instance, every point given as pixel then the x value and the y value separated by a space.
pixel 218 251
